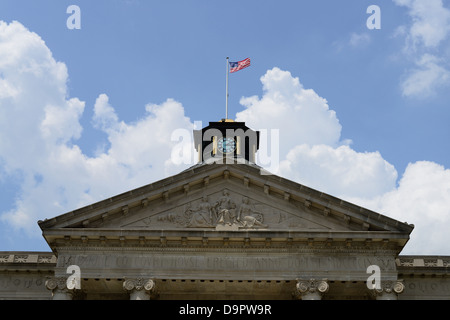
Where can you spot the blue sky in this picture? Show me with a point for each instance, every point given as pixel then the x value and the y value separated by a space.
pixel 87 113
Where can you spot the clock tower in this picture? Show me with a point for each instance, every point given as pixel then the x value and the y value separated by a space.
pixel 226 141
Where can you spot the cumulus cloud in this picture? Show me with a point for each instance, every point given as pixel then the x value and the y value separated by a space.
pixel 427 76
pixel 303 115
pixel 105 117
pixel 339 171
pixel 39 127
pixel 423 199
pixel 425 39
pixel 430 22
pixel 144 146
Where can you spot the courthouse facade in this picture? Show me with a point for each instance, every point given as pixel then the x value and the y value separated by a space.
pixel 224 230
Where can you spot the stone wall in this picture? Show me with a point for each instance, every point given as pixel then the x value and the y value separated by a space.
pixel 424 277
pixel 23 276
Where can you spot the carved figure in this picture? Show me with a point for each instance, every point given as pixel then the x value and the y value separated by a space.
pixel 201 217
pixel 228 216
pixel 225 209
pixel 223 214
pixel 249 217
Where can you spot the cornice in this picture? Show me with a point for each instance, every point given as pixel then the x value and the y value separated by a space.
pixel 255 234
pixel 267 241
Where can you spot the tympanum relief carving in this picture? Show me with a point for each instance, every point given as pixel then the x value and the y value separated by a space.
pixel 225 212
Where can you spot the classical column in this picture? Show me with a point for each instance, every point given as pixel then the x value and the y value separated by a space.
pixel 312 289
pixel 388 290
pixel 139 288
pixel 58 286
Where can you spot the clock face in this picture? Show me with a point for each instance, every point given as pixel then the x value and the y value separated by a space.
pixel 226 145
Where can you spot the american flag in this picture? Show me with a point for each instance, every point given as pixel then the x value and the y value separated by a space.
pixel 236 66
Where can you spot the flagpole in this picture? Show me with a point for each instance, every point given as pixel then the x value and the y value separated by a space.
pixel 226 104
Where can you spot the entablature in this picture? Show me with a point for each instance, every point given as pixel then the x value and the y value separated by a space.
pixel 295 240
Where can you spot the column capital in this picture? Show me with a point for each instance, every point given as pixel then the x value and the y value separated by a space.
pixel 312 289
pixel 388 290
pixel 139 288
pixel 60 289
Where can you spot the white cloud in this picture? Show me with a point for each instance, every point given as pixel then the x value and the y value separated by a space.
pixel 430 22
pixel 60 123
pixel 39 127
pixel 423 199
pixel 339 171
pixel 424 40
pixel 105 117
pixel 359 39
pixel 426 77
pixel 301 115
pixel 148 141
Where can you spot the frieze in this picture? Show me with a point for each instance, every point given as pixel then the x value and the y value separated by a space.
pixel 28 258
pixel 226 248
pixel 420 261
pixel 216 263
pixel 24 282
pixel 20 258
pixel 427 286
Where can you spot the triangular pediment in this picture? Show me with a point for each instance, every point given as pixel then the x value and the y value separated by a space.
pixel 227 197
pixel 225 205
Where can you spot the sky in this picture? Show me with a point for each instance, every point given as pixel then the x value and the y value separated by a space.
pixel 96 98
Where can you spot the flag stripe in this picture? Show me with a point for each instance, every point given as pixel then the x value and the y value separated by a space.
pixel 236 66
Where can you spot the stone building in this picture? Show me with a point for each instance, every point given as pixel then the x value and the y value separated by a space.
pixel 223 230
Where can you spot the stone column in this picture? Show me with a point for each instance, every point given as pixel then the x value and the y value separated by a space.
pixel 388 290
pixel 139 289
pixel 312 289
pixel 58 286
